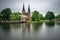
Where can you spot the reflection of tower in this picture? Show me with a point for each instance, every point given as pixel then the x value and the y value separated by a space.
pixel 25 30
pixel 23 27
pixel 26 26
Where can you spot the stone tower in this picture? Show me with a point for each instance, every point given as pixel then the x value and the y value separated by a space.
pixel 23 10
pixel 23 13
pixel 28 13
pixel 26 16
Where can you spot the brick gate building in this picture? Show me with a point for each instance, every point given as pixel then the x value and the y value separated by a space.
pixel 26 15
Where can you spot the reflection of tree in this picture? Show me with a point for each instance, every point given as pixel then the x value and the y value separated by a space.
pixel 36 26
pixel 6 27
pixel 58 23
pixel 50 24
pixel 16 25
pixel 6 30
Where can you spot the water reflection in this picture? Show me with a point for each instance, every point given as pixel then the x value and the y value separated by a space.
pixel 6 31
pixel 36 26
pixel 25 30
pixel 6 27
pixel 50 24
pixel 58 23
pixel 18 25
pixel 26 26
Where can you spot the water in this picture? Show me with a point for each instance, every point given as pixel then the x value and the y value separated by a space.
pixel 30 31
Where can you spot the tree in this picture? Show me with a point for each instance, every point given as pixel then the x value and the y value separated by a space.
pixel 41 17
pixel 58 16
pixel 36 16
pixel 49 15
pixel 15 16
pixel 0 17
pixel 6 14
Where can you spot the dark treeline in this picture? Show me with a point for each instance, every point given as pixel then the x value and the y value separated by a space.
pixel 6 14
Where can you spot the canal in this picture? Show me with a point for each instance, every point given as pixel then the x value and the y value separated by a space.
pixel 30 31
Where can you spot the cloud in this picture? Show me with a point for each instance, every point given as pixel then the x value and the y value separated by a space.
pixel 41 5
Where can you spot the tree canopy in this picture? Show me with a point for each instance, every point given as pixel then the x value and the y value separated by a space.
pixel 6 14
pixel 15 16
pixel 36 16
pixel 58 16
pixel 0 17
pixel 49 15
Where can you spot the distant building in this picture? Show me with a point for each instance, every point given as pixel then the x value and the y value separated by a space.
pixel 56 20
pixel 26 15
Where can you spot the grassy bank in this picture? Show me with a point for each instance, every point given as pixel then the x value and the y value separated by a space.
pixel 18 21
pixel 38 21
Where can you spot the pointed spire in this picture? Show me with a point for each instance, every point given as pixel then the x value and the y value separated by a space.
pixel 28 7
pixel 23 7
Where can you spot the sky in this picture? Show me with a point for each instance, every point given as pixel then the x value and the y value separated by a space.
pixel 42 6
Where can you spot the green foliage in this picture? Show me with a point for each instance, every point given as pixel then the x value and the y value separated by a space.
pixel 41 17
pixel 15 16
pixel 44 21
pixel 58 16
pixel 49 15
pixel 50 24
pixel 6 14
pixel 36 16
pixel 0 17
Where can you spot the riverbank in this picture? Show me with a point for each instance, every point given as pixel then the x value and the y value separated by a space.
pixel 39 21
pixel 18 21
pixel 12 21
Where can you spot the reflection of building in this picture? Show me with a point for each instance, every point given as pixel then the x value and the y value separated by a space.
pixel 25 30
pixel 56 20
pixel 25 16
pixel 25 26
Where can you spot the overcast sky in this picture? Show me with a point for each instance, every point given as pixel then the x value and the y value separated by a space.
pixel 41 5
